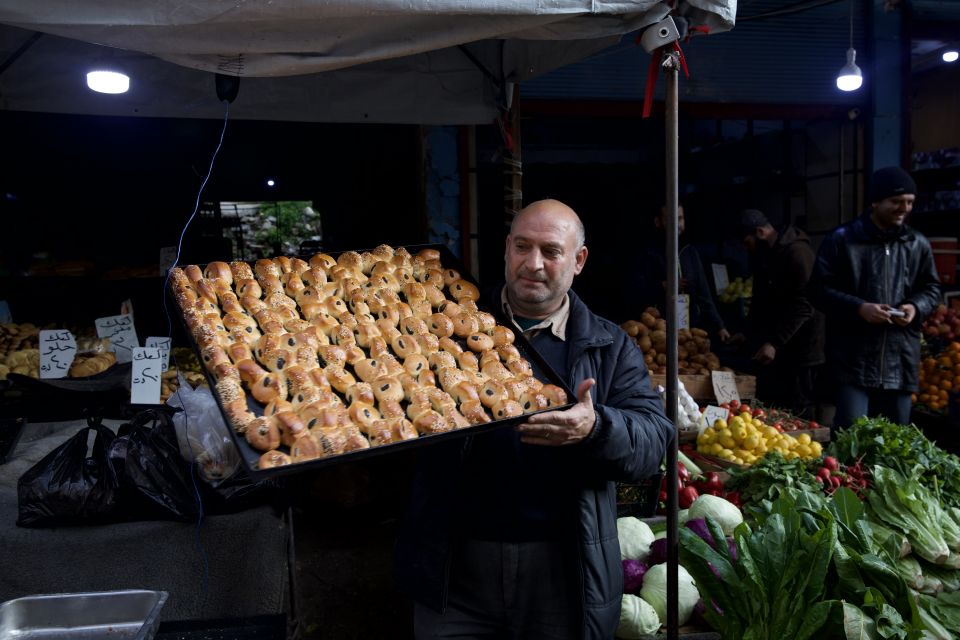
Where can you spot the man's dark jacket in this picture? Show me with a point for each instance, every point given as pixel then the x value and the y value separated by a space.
pixel 859 263
pixel 627 444
pixel 644 283
pixel 781 311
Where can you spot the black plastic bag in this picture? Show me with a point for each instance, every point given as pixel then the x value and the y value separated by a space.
pixel 68 487
pixel 157 482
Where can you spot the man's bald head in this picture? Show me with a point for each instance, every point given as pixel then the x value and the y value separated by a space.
pixel 545 250
pixel 557 210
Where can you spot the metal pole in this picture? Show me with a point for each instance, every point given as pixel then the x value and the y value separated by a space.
pixel 671 63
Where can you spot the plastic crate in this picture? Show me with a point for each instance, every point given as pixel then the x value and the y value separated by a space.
pixel 639 500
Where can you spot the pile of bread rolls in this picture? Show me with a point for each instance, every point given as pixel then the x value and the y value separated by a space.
pixel 358 351
pixel 19 353
pixel 18 349
pixel 693 346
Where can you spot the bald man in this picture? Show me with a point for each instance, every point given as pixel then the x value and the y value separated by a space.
pixel 513 533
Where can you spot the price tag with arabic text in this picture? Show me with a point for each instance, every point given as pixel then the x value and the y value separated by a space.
pixel 720 278
pixel 57 349
pixel 683 311
pixel 712 413
pixel 145 375
pixel 121 333
pixel 724 386
pixel 164 345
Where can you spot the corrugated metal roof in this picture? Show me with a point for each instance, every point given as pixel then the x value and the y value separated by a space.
pixel 784 59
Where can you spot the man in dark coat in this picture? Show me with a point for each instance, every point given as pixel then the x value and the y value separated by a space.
pixel 784 328
pixel 513 533
pixel 646 279
pixel 876 281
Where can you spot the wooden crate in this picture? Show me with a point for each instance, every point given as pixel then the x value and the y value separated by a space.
pixel 700 387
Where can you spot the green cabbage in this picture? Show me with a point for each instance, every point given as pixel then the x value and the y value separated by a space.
pixel 726 513
pixel 635 538
pixel 654 591
pixel 637 618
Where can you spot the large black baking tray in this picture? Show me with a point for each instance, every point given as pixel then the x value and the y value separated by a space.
pixel 251 456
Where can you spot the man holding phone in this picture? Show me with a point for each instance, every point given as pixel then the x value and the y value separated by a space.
pixel 876 281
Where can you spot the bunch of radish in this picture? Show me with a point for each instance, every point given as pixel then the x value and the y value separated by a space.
pixel 833 475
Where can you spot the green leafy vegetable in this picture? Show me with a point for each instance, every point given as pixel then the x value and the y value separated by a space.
pixel 877 441
pixel 904 505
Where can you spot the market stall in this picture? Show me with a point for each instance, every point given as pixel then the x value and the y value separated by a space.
pixel 504 46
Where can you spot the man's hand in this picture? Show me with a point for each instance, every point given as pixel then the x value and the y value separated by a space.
pixel 765 354
pixel 876 313
pixel 724 335
pixel 911 313
pixel 555 428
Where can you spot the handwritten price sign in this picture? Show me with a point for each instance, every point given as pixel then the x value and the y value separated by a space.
pixel 57 349
pixel 724 386
pixel 121 333
pixel 164 345
pixel 145 375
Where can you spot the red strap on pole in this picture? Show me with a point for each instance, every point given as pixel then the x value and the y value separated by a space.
pixel 683 60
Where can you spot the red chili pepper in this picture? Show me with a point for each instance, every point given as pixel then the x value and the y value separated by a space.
pixel 733 497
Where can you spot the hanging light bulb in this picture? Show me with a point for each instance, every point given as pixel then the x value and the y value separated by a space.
pixel 103 81
pixel 850 78
pixel 951 55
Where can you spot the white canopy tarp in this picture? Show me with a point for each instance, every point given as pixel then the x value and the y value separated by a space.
pixel 428 61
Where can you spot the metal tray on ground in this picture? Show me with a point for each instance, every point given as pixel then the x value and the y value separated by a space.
pixel 251 456
pixel 124 615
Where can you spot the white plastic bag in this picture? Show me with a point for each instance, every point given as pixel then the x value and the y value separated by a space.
pixel 202 433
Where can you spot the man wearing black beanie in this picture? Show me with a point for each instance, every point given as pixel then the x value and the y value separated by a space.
pixel 876 282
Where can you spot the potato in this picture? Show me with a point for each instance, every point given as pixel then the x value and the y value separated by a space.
pixel 660 324
pixel 661 358
pixel 652 311
pixel 683 335
pixel 682 354
pixel 630 326
pixel 698 333
pixel 648 319
pixel 691 347
pixel 645 343
pixel 649 359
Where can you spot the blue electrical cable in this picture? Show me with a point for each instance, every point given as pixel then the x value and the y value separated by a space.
pixel 166 284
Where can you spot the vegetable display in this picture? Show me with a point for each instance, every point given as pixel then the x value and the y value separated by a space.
pixel 876 441
pixel 654 591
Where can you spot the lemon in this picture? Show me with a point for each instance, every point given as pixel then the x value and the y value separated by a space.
pixel 802 450
pixel 803 438
pixel 738 433
pixel 750 443
pixel 816 448
pixel 770 432
pixel 727 441
pixel 720 424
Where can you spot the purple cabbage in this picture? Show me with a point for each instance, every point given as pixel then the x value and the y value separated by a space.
pixel 633 571
pixel 658 552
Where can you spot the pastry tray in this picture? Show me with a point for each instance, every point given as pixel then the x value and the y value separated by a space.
pixel 448 260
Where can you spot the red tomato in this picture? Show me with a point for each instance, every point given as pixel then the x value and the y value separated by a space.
pixel 778 427
pixel 746 407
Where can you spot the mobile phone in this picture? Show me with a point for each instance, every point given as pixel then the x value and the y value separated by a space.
pixel 897 313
